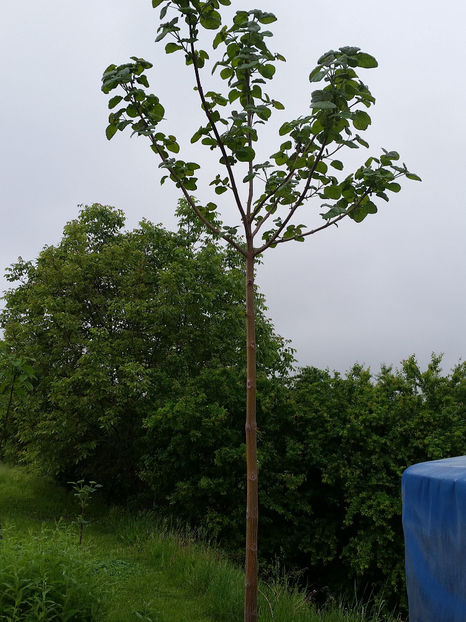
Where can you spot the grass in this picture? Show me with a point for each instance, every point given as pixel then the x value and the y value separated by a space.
pixel 128 569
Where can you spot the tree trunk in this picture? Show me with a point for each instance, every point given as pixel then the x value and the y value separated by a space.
pixel 4 430
pixel 250 600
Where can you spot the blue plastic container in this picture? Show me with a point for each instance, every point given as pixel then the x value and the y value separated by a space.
pixel 434 524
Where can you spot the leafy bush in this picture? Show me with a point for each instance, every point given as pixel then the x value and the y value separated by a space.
pixel 45 578
pixel 117 323
pixel 331 450
pixel 357 435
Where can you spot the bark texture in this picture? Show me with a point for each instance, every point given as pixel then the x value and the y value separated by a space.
pixel 252 510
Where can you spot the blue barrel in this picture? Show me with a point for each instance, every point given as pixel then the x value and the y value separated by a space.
pixel 434 524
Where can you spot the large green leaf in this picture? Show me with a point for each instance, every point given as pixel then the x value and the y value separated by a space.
pixel 366 60
pixel 245 154
pixel 115 101
pixel 361 120
pixel 111 131
pixel 267 71
pixel 211 20
pixel 332 192
pixel 172 47
pixel 267 18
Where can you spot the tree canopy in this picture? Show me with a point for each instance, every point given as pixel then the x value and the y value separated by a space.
pixel 115 322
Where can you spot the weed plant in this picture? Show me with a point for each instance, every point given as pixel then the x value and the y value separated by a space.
pixel 44 577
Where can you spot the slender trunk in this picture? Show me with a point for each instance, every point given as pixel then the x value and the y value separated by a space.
pixel 250 599
pixel 4 431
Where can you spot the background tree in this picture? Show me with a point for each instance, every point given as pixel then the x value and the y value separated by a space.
pixel 117 323
pixel 304 166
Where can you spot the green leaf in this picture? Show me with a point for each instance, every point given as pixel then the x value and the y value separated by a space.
pixel 219 38
pixel 277 105
pixel 361 120
pixel 382 195
pixel 211 20
pixel 173 147
pixel 111 131
pixel 337 164
pixel 321 167
pixel 233 95
pixel 196 136
pixel 190 184
pixel 280 158
pixel 393 155
pixel 172 47
pixel 323 105
pixel 413 176
pixel 267 71
pixel 393 186
pixel 156 3
pixel 115 101
pixel 366 60
pixel 245 154
pixel 332 192
pixel 226 73
pixel 285 129
pixel 317 74
pixel 220 189
pixel 143 80
pixel 267 18
pixel 361 141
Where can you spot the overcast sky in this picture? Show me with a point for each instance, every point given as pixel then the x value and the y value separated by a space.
pixel 373 292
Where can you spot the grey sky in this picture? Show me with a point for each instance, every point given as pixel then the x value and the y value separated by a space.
pixel 374 292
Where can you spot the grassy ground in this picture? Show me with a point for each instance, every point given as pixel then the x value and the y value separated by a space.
pixel 127 569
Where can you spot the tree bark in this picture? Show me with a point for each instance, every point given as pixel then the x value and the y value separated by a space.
pixel 4 430
pixel 252 513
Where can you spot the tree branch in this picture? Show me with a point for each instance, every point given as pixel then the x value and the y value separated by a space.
pixel 280 185
pixel 215 130
pixel 186 194
pixel 298 203
pixel 327 224
pixel 193 205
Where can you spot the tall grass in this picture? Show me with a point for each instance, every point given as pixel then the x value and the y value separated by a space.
pixel 130 568
pixel 44 577
pixel 205 571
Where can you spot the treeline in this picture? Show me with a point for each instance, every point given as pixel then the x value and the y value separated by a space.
pixel 122 362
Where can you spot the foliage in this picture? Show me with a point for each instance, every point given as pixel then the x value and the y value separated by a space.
pixel 44 578
pixel 117 323
pixel 332 450
pixel 303 167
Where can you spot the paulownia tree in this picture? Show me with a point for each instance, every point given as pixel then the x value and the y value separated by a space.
pixel 266 195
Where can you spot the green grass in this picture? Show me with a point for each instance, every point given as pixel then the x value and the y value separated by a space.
pixel 128 568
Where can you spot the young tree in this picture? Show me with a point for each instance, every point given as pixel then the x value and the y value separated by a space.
pixel 304 167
